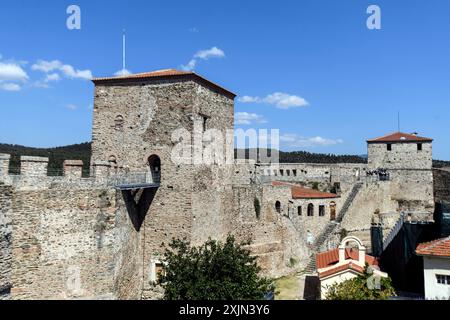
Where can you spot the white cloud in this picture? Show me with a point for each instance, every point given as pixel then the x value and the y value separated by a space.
pixel 190 66
pixel 52 77
pixel 12 72
pixel 10 86
pixel 214 52
pixel 71 106
pixel 245 118
pixel 67 70
pixel 248 99
pixel 123 72
pixel 47 66
pixel 296 141
pixel 278 99
pixel 193 30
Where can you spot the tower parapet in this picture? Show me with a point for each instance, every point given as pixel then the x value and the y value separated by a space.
pixel 73 168
pixel 33 166
pixel 4 164
pixel 101 169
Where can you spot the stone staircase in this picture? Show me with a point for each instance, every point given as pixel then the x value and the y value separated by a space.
pixel 332 227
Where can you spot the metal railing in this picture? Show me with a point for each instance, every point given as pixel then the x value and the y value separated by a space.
pixel 134 178
pixel 394 231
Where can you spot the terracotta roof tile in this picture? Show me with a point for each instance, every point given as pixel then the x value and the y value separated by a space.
pixel 400 137
pixel 331 257
pixel 438 248
pixel 299 192
pixel 340 268
pixel 166 73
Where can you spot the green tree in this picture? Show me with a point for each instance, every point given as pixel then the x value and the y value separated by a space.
pixel 358 289
pixel 213 271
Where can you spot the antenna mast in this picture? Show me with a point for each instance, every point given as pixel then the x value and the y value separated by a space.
pixel 123 50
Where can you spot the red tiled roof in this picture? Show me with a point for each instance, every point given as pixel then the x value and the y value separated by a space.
pixel 400 137
pixel 167 73
pixel 340 268
pixel 299 192
pixel 330 258
pixel 438 248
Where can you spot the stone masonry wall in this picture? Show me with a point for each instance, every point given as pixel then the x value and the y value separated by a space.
pixel 278 246
pixel 402 156
pixel 441 184
pixel 66 244
pixel 6 194
pixel 65 237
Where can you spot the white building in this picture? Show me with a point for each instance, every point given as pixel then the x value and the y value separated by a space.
pixel 436 268
pixel 344 263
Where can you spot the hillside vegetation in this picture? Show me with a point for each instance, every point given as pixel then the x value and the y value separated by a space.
pixel 82 151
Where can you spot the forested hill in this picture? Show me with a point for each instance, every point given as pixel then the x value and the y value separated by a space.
pixel 56 156
pixel 307 157
pixel 82 151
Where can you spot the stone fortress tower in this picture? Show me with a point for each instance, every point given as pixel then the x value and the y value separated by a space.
pixel 408 159
pixel 138 121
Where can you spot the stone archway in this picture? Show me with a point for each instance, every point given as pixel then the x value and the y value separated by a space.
pixel 361 249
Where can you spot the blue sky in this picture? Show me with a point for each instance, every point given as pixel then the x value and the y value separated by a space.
pixel 310 68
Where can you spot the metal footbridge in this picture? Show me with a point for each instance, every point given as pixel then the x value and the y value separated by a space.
pixel 134 181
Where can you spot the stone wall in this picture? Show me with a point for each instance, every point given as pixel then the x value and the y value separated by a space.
pixel 413 190
pixel 65 237
pixel 312 172
pixel 6 193
pixel 373 197
pixel 278 245
pixel 402 156
pixel 441 184
pixel 71 244
pixel 316 223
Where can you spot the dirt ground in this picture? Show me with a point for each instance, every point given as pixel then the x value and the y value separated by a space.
pixel 297 286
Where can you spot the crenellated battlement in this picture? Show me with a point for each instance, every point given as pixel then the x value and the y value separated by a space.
pixel 34 173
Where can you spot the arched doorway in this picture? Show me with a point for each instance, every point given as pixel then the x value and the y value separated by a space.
pixel 278 206
pixel 333 211
pixel 155 168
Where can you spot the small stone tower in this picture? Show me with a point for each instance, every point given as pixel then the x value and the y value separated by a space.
pixel 400 151
pixel 407 160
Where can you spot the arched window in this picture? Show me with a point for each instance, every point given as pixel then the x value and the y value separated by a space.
pixel 278 206
pixel 112 160
pixel 321 211
pixel 119 123
pixel 310 210
pixel 155 168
